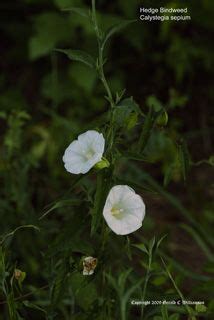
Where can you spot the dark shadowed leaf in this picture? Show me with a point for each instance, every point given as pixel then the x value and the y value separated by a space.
pixel 78 55
pixel 60 204
pixel 124 111
pixel 142 247
pixel 33 306
pixel 82 12
pixel 116 28
pixel 146 131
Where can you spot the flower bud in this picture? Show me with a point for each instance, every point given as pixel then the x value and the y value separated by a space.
pixel 19 275
pixel 103 163
pixel 162 119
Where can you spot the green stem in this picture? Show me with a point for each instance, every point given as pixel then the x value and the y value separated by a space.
pixel 103 78
pixel 100 55
pixel 103 181
pixel 146 283
pixel 94 19
pixel 123 311
pixel 176 288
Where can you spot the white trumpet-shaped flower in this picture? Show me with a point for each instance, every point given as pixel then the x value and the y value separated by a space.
pixel 82 154
pixel 124 210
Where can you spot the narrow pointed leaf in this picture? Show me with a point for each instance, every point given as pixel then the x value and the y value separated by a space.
pixel 152 244
pixel 142 247
pixel 146 131
pixel 116 28
pixel 33 306
pixel 60 204
pixel 78 55
pixel 82 12
pixel 160 240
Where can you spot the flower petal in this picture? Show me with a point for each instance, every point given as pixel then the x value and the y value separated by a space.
pixel 130 207
pixel 83 153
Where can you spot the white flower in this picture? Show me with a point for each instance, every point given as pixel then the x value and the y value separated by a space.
pixel 82 154
pixel 89 265
pixel 124 210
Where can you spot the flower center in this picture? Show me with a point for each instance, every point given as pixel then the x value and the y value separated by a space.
pixel 117 212
pixel 88 154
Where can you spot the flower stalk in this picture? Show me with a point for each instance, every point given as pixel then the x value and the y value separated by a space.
pixel 148 273
pixel 101 62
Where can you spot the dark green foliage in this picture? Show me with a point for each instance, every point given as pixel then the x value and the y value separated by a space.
pixel 158 142
pixel 78 55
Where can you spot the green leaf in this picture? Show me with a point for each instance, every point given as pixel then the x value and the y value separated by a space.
pixel 116 28
pixel 50 30
pixel 159 281
pixel 142 247
pixel 86 296
pixel 168 174
pixel 82 12
pixel 162 119
pixel 3 115
pixel 119 95
pixel 188 309
pixel 123 279
pixel 124 113
pixel 60 204
pixel 131 104
pixel 164 312
pixel 200 308
pixel 153 102
pixel 28 304
pixel 160 240
pixel 78 55
pixel 135 156
pixel 131 123
pixel 10 234
pixel 146 131
pixel 130 291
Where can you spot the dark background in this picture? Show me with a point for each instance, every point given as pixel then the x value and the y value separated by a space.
pixel 46 100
